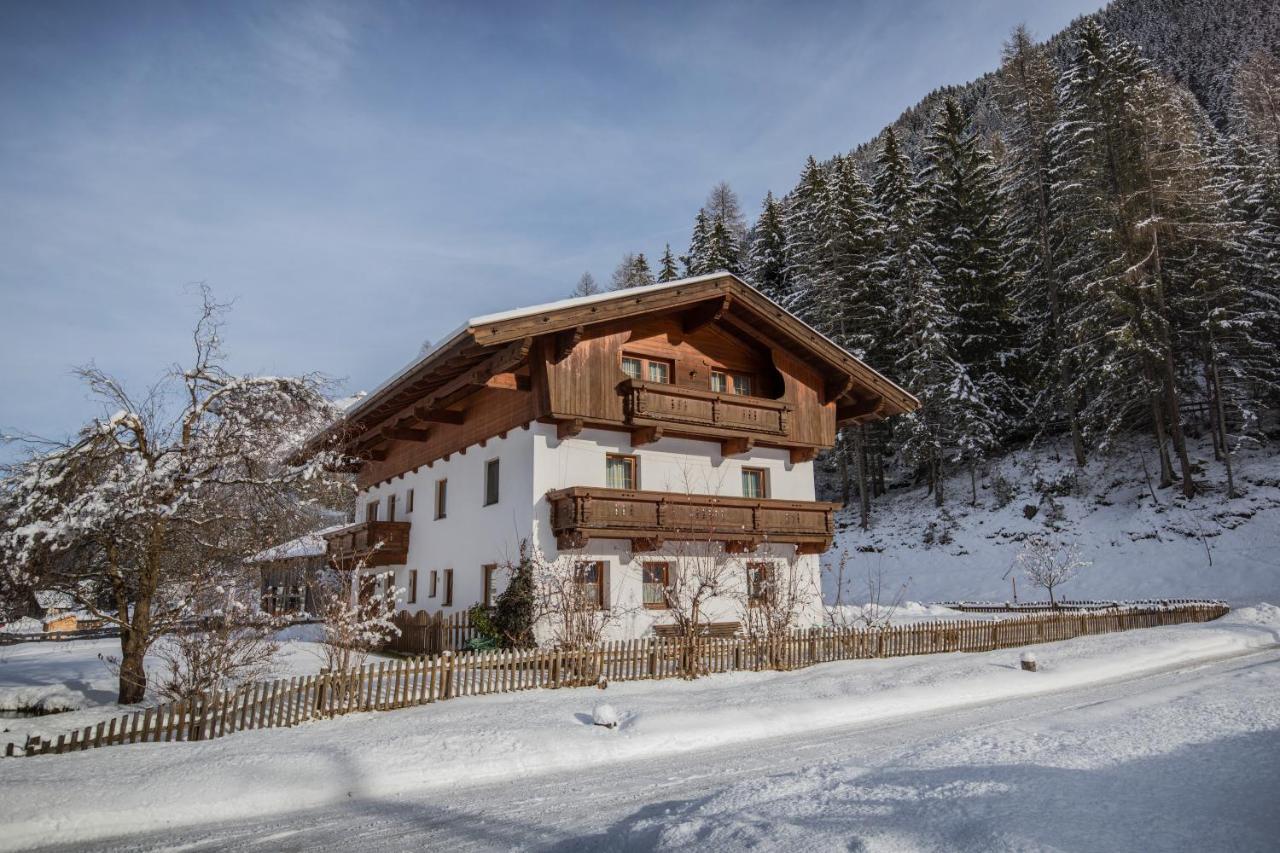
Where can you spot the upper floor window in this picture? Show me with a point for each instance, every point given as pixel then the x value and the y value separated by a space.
pixel 371 511
pixel 391 507
pixel 442 499
pixel 448 588
pixel 755 483
pixel 724 382
pixel 408 502
pixel 647 369
pixel 491 482
pixel 619 471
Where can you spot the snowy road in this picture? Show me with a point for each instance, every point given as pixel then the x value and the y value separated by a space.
pixel 1183 759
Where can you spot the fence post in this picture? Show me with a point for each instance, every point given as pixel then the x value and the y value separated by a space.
pixel 446 674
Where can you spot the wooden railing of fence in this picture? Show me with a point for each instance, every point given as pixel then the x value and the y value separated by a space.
pixel 424 634
pixel 386 685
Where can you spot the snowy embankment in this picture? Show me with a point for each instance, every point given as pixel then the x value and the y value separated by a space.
pixel 449 745
pixel 1141 547
pixel 74 674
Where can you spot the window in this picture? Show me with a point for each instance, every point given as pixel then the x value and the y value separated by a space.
pixel 724 382
pixel 371 511
pixel 489 572
pixel 755 483
pixel 657 580
pixel 442 498
pixel 448 588
pixel 757 583
pixel 435 584
pixel 619 471
pixel 491 482
pixel 589 580
pixel 412 595
pixel 633 367
pixel 648 369
pixel 391 507
pixel 408 502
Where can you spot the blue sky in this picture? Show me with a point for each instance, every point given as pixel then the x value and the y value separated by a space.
pixel 358 178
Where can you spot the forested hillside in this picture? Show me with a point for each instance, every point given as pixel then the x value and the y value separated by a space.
pixel 1085 243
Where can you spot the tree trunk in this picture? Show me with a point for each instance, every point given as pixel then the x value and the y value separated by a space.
pixel 1222 419
pixel 842 459
pixel 1162 444
pixel 864 491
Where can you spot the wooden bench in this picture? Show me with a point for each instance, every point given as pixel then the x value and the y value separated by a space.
pixel 707 629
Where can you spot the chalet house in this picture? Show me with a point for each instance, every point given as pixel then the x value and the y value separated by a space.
pixel 608 431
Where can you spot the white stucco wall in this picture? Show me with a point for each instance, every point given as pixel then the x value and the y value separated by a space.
pixel 533 462
pixel 471 534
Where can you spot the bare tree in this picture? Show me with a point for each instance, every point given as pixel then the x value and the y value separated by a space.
pixel 571 599
pixel 1048 565
pixel 357 609
pixel 586 286
pixel 193 468
pixel 775 592
pixel 868 601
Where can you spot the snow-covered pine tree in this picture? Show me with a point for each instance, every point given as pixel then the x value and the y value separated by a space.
pixel 1024 89
pixel 667 270
pixel 965 227
pixel 767 256
pixel 805 240
pixel 695 262
pixel 641 275
pixel 723 251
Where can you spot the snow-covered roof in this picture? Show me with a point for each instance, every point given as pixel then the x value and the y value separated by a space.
pixel 307 545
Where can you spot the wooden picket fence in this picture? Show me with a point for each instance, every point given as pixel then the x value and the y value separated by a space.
pixel 424 634
pixel 421 680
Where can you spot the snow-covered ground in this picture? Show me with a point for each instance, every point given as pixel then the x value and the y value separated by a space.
pixel 74 674
pixel 428 761
pixel 1208 547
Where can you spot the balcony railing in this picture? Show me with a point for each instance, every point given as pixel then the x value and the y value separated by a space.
pixel 649 519
pixel 658 404
pixel 378 543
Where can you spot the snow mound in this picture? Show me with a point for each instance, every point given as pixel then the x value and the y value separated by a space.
pixel 42 698
pixel 605 715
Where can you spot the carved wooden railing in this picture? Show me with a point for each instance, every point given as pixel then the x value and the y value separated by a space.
pixel 648 519
pixel 378 543
pixel 659 404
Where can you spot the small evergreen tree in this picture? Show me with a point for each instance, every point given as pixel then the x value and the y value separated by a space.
pixel 767 256
pixel 513 616
pixel 667 265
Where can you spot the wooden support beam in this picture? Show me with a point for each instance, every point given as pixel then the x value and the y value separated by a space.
pixel 705 314
pixel 572 540
pixel 812 547
pixel 568 428
pixel 399 433
pixel 741 546
pixel 566 341
pixel 833 391
pixel 439 416
pixel 507 358
pixel 377 454
pixel 868 407
pixel 509 382
pixel 646 544
pixel 645 435
pixel 803 454
pixel 734 446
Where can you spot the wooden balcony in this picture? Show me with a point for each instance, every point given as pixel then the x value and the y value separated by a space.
pixel 654 404
pixel 649 519
pixel 378 543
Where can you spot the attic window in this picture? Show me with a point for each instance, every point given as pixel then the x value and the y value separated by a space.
pixel 647 369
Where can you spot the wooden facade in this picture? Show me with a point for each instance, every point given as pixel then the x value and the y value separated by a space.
pixel 708 358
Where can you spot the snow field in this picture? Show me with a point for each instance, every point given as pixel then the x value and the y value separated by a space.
pixel 520 736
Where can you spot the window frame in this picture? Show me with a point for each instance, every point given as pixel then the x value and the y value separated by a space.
pixel 487 571
pixel 371 510
pixel 665 584
pixel 633 466
pixel 601 567
pixel 434 584
pixel 492 480
pixel 757 570
pixel 764 481
pixel 391 507
pixel 448 589
pixel 442 498
pixel 645 362
pixel 412 597
pixel 731 379
pixel 408 502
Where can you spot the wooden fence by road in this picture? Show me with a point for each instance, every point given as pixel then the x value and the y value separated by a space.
pixel 422 680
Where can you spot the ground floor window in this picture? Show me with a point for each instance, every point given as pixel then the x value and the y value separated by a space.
pixel 657 580
pixel 757 583
pixel 448 588
pixel 435 584
pixel 412 594
pixel 489 571
pixel 588 580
